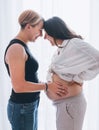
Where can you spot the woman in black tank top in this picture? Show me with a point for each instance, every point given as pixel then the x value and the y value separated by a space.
pixel 22 68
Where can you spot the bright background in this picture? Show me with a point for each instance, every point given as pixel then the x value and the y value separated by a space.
pixel 83 17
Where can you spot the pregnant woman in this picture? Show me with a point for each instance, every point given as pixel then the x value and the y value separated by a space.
pixel 74 62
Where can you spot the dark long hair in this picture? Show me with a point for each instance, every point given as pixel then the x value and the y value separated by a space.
pixel 58 29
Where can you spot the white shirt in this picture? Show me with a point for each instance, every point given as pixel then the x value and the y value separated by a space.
pixel 75 61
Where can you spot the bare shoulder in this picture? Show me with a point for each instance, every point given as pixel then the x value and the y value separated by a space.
pixel 15 51
pixel 15 48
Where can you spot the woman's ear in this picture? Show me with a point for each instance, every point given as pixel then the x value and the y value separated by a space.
pixel 28 26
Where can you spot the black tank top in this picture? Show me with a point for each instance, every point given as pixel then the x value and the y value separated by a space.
pixel 31 67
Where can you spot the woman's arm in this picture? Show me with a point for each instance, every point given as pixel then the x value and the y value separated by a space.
pixel 78 62
pixel 16 58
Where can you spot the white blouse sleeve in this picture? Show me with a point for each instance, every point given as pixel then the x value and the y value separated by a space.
pixel 79 61
pixel 89 66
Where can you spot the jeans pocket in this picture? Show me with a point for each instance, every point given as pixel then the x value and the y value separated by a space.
pixel 68 111
pixel 10 111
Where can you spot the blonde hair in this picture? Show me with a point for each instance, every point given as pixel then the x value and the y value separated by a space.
pixel 29 17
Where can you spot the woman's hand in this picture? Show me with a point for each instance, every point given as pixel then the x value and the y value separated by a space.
pixel 57 88
pixel 64 90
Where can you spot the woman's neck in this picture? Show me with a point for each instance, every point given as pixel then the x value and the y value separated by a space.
pixel 21 36
pixel 59 42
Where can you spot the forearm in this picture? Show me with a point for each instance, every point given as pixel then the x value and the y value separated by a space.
pixel 27 86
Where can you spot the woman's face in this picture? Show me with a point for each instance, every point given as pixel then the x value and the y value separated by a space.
pixel 49 38
pixel 35 31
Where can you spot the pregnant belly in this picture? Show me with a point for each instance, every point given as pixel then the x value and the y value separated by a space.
pixel 73 89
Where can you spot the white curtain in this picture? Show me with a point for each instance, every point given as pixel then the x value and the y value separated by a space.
pixel 80 15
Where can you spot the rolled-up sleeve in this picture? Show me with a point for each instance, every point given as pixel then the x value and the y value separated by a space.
pixel 79 61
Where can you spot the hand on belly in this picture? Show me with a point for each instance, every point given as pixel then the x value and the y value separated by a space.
pixel 72 89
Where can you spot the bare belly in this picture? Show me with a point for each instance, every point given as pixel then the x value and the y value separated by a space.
pixel 72 87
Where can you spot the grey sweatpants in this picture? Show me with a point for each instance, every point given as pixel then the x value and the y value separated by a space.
pixel 70 113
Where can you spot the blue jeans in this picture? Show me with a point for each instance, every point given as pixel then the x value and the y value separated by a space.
pixel 23 116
